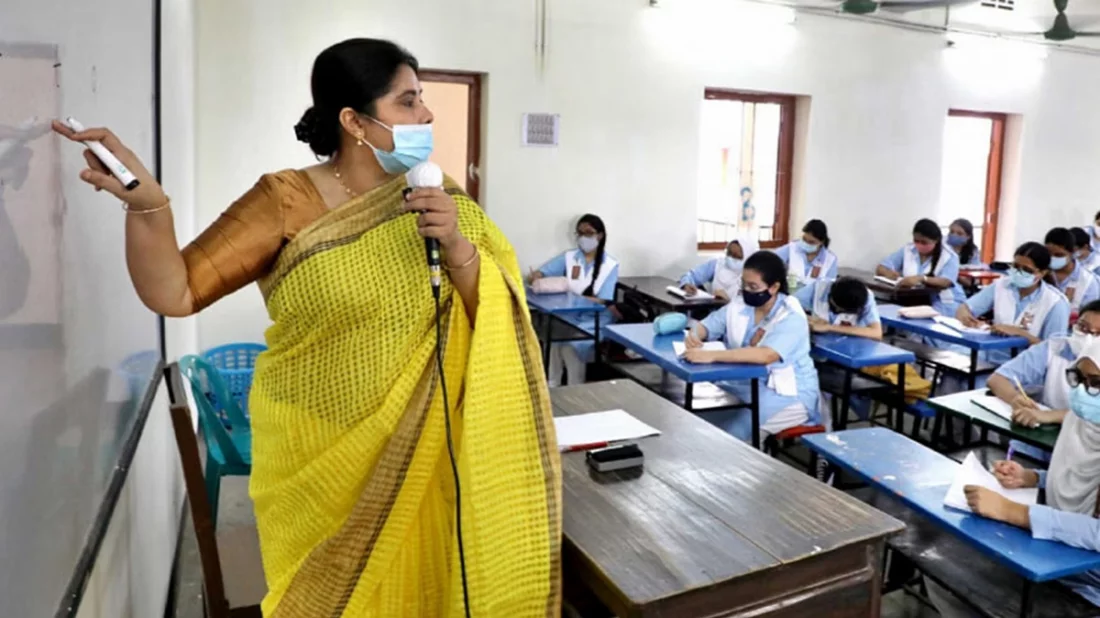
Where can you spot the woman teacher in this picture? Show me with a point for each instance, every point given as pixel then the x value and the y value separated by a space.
pixel 354 494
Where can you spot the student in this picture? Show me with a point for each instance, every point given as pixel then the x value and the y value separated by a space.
pixel 722 274
pixel 1078 284
pixel 763 326
pixel 1086 257
pixel 1023 303
pixel 960 237
pixel 1070 513
pixel 592 273
pixel 1094 233
pixel 844 306
pixel 1041 369
pixel 925 261
pixel 809 258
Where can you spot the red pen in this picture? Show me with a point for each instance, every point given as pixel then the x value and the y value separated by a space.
pixel 585 447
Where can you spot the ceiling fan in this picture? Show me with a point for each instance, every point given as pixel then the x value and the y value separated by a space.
pixel 1060 30
pixel 864 7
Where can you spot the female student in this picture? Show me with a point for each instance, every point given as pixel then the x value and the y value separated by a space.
pixel 960 237
pixel 926 262
pixel 592 273
pixel 1023 303
pixel 843 306
pixel 1070 513
pixel 764 326
pixel 722 274
pixel 1086 257
pixel 1078 284
pixel 1094 233
pixel 809 258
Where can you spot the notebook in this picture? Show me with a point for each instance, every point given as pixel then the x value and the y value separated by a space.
pixel 972 472
pixel 600 427
pixel 957 326
pixel 698 295
pixel 887 280
pixel 710 346
pixel 997 406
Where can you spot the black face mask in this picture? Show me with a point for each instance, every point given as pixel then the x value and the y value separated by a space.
pixel 756 299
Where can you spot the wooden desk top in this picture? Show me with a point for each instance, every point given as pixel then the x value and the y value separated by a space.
pixel 901 296
pixel 707 509
pixel 960 405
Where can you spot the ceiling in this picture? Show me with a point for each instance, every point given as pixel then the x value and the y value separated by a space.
pixel 1021 19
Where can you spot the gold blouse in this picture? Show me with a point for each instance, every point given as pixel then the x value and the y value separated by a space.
pixel 241 246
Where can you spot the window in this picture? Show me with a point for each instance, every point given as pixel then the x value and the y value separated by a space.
pixel 973 148
pixel 746 144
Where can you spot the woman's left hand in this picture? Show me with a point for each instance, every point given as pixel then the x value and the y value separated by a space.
pixel 911 282
pixel 699 356
pixel 1006 330
pixel 438 216
pixel 988 503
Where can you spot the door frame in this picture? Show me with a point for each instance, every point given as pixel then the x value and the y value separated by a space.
pixel 473 119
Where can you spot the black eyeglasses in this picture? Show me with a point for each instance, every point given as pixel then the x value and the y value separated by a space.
pixel 1076 378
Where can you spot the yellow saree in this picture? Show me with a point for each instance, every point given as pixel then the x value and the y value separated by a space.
pixel 351 481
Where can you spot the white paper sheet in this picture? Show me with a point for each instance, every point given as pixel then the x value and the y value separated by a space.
pixel 972 472
pixel 598 427
pixel 997 406
pixel 887 280
pixel 710 346
pixel 698 295
pixel 956 325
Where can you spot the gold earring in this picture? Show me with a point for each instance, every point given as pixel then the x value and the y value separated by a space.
pixel 359 140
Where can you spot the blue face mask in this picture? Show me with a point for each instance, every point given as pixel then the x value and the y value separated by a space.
pixel 1084 405
pixel 956 240
pixel 412 145
pixel 806 247
pixel 733 263
pixel 1019 279
pixel 1058 263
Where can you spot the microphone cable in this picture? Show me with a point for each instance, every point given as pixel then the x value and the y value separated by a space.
pixel 451 447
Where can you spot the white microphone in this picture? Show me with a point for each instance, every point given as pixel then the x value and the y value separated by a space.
pixel 428 175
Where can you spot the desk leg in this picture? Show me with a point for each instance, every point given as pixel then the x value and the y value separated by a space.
pixel 597 339
pixel 937 427
pixel 973 378
pixel 755 407
pixel 899 420
pixel 689 392
pixel 846 400
pixel 1028 598
pixel 547 333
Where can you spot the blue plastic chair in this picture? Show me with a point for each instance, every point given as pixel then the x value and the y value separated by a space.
pixel 235 362
pixel 228 441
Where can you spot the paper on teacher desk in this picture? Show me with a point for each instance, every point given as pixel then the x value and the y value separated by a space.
pixel 972 472
pixel 596 427
pixel 698 295
pixel 997 406
pixel 710 346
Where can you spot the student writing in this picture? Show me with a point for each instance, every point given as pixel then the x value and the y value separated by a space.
pixel 844 306
pixel 809 258
pixel 926 262
pixel 722 274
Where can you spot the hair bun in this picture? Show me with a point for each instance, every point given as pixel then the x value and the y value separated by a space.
pixel 306 129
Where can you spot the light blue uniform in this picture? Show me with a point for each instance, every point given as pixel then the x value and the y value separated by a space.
pixel 819 261
pixel 1081 295
pixel 556 268
pixel 868 316
pixel 1073 529
pixel 1030 369
pixel 790 338
pixel 1093 240
pixel 950 271
pixel 1056 322
pixel 699 276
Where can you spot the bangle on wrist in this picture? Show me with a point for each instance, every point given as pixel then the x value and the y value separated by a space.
pixel 473 258
pixel 144 211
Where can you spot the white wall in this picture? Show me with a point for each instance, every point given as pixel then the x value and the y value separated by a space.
pixel 628 81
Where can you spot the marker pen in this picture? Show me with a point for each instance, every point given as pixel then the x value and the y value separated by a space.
pixel 109 160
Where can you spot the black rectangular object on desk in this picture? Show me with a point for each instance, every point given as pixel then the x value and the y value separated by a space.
pixel 613 458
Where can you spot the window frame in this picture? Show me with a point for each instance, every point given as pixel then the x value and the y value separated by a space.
pixel 784 165
pixel 993 175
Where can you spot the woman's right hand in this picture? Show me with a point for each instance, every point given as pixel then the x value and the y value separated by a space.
pixel 690 289
pixel 533 276
pixel 146 196
pixel 1012 475
pixel 692 340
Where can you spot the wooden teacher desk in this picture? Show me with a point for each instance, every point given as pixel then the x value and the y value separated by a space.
pixel 711 527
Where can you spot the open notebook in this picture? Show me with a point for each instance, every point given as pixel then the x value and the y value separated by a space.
pixel 958 327
pixel 997 406
pixel 972 472
pixel 698 295
pixel 887 280
pixel 710 346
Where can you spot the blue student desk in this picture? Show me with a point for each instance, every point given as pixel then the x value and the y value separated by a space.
pixel 566 308
pixel 657 349
pixel 974 343
pixel 854 353
pixel 920 477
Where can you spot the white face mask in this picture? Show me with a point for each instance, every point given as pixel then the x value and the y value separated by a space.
pixel 1078 341
pixel 734 264
pixel 588 244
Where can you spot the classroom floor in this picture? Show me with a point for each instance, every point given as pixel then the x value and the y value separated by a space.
pixel 240 554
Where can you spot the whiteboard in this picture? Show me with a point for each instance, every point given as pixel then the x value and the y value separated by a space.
pixel 78 351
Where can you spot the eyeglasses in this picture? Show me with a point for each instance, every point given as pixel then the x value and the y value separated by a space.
pixel 1076 378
